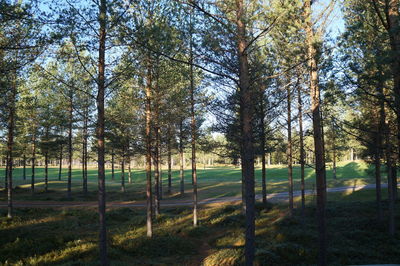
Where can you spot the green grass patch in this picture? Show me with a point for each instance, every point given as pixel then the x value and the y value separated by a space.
pixel 212 182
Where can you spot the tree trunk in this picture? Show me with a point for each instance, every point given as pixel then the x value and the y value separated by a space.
pixel 156 167
pixel 69 183
pixel 6 174
pixel 378 151
pixel 246 100
pixel 46 171
pixel 24 166
pixel 33 163
pixel 392 9
pixel 334 159
pixel 193 125
pixel 389 164
pixel 302 159
pixel 169 164
pixel 148 154
pixel 289 149
pixel 123 172
pixel 112 164
pixel 10 146
pixel 263 143
pixel 160 164
pixel 129 170
pixel 84 149
pixel 181 173
pixel 61 158
pixel 100 133
pixel 318 136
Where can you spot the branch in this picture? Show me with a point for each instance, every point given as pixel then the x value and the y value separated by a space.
pixel 385 25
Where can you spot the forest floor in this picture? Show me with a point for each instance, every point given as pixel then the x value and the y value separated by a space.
pixel 55 234
pixel 68 236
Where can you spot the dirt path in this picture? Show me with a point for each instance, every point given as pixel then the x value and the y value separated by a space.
pixel 274 197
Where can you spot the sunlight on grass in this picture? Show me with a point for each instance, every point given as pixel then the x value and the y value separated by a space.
pixel 213 182
pixel 74 250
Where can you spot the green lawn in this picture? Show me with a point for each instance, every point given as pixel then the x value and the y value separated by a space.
pixel 69 236
pixel 212 182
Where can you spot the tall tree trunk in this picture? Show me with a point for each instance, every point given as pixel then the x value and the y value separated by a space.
pixel 24 166
pixel 169 163
pixel 69 183
pixel 86 170
pixel 193 125
pixel 181 162
pixel 156 167
pixel 160 164
pixel 289 149
pixel 33 163
pixel 123 172
pixel 46 171
pixel 156 150
pixel 389 164
pixel 318 136
pixel 6 174
pixel 148 153
pixel 10 146
pixel 84 149
pixel 377 157
pixel 302 155
pixel 100 133
pixel 246 100
pixel 61 158
pixel 112 164
pixel 129 170
pixel 334 158
pixel 392 14
pixel 263 144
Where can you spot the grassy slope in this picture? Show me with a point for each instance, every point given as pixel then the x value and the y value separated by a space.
pixel 69 237
pixel 213 182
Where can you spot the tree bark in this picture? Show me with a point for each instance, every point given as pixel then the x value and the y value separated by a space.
pixel 169 163
pixel 263 144
pixel 61 158
pixel 318 136
pixel 246 101
pixel 123 172
pixel 193 125
pixel 100 133
pixel 334 158
pixel 46 171
pixel 6 173
pixel 84 149
pixel 181 162
pixel 70 110
pixel 160 164
pixel 392 11
pixel 24 166
pixel 112 164
pixel 33 163
pixel 289 149
pixel 156 167
pixel 149 223
pixel 129 170
pixel 302 155
pixel 389 165
pixel 10 146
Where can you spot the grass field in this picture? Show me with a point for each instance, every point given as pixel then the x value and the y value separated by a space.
pixel 212 182
pixel 69 236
